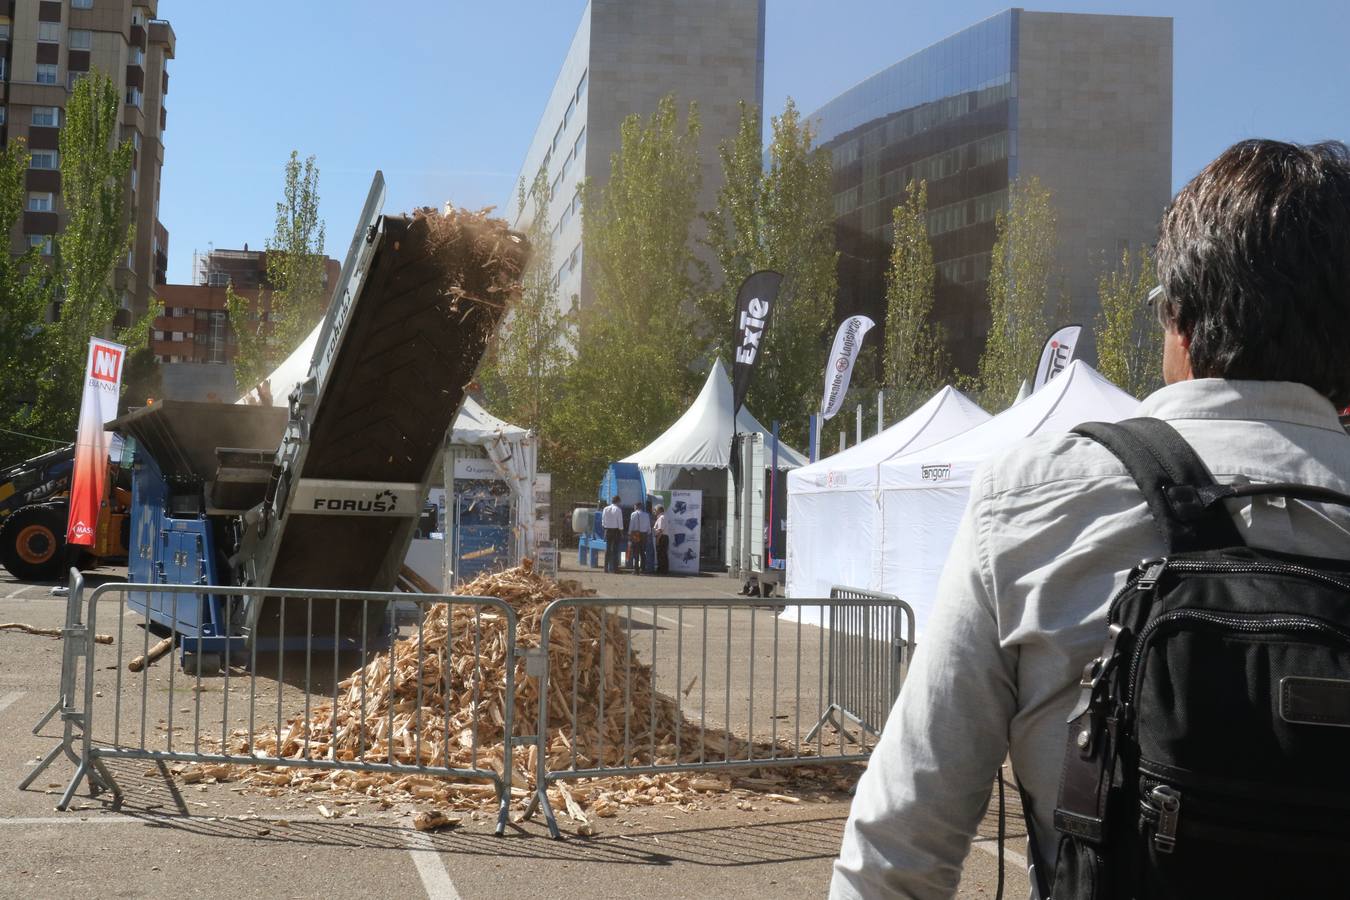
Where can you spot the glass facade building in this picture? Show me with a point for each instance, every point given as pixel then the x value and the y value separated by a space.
pixel 949 115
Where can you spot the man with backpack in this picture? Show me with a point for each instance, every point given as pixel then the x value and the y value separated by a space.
pixel 1152 621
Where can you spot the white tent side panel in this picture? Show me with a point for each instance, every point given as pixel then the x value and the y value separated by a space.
pixel 831 540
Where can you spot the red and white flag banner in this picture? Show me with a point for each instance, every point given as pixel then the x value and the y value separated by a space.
pixel 102 387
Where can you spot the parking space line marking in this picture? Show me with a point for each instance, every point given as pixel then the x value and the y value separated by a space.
pixel 7 700
pixel 647 612
pixel 430 867
pixel 17 591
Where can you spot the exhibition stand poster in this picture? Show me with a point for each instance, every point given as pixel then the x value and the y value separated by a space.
pixel 684 513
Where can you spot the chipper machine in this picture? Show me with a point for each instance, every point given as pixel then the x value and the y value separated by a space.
pixel 325 493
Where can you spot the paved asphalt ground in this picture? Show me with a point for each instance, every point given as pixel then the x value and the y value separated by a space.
pixel 174 840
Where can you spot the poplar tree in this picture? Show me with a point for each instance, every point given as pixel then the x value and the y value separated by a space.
pixel 916 361
pixel 779 218
pixel 528 358
pixel 1022 276
pixel 1129 339
pixel 295 297
pixel 631 373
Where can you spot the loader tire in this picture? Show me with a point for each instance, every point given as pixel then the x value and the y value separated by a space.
pixel 33 543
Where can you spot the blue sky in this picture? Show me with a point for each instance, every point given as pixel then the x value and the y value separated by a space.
pixel 444 96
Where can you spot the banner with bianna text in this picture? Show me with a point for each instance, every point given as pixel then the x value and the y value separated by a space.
pixel 102 387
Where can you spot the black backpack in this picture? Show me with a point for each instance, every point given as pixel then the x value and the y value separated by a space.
pixel 1209 752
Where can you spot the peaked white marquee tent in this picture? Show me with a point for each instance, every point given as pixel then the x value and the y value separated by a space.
pixel 834 512
pixel 701 438
pixel 924 493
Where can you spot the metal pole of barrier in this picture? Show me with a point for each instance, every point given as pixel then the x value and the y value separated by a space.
pixel 65 701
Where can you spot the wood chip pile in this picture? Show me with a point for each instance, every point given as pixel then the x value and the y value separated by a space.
pixel 452 699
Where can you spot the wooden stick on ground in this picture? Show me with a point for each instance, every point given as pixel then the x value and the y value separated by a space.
pixel 50 632
pixel 159 650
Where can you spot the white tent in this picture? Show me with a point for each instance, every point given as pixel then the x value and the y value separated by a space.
pixel 701 438
pixel 924 493
pixel 833 511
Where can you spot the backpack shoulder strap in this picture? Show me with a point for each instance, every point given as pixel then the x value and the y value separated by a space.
pixel 1174 481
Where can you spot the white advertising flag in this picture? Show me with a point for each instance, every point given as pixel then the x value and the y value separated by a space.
pixel 1056 354
pixel 839 367
pixel 102 387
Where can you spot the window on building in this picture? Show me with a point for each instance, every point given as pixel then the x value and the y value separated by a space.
pixel 567 116
pixel 4 114
pixel 218 279
pixel 567 164
pixel 39 201
pixel 134 97
pixel 44 159
pixel 159 334
pixel 81 39
pixel 81 4
pixel 49 32
pixel 138 15
pixel 3 69
pixel 557 136
pixel 575 259
pixel 137 57
pixel 73 78
pixel 47 74
pixel 576 202
pixel 581 85
pixel 44 241
pixel 48 116
pixel 4 31
pixel 135 179
pixel 136 139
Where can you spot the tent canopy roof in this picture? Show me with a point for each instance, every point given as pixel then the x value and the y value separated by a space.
pixel 948 412
pixel 701 438
pixel 473 425
pixel 1078 394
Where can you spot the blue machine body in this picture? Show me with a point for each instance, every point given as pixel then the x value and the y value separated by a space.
pixel 174 546
pixel 625 480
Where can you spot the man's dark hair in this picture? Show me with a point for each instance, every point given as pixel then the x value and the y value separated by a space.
pixel 1254 262
pixel 616 499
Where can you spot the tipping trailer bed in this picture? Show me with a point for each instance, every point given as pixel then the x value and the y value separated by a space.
pixel 421 296
pixel 334 505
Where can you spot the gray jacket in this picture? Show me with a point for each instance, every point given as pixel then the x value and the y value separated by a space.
pixel 1052 529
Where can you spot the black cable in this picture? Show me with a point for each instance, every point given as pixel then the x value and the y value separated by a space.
pixel 998 895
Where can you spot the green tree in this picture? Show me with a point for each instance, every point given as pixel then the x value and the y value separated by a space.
pixel 630 375
pixel 781 218
pixel 25 295
pixel 1129 341
pixel 95 239
pixel 916 361
pixel 297 297
pixel 1022 276
pixel 526 363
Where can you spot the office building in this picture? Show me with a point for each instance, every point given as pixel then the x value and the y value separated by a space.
pixel 192 339
pixel 1082 102
pixel 625 56
pixel 47 46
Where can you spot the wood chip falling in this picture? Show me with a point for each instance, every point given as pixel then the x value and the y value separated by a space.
pixel 459 722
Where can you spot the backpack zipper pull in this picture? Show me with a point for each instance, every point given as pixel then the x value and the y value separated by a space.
pixel 1168 800
pixel 1151 574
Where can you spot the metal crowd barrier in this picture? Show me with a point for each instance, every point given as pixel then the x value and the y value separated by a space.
pixel 204 716
pixel 741 685
pixel 72 649
pixel 865 676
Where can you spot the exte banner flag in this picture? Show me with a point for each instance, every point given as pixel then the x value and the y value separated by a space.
pixel 839 368
pixel 102 387
pixel 1056 354
pixel 754 305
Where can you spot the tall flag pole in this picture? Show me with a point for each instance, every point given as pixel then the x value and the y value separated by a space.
pixel 102 387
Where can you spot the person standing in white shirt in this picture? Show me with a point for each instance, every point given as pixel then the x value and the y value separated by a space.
pixel 639 529
pixel 1254 264
pixel 662 542
pixel 611 520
